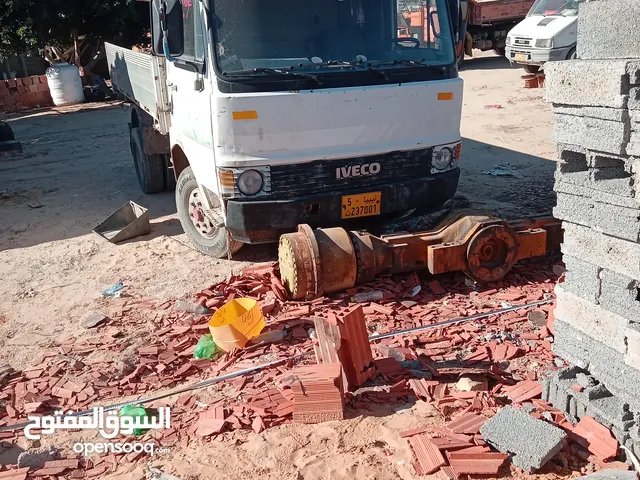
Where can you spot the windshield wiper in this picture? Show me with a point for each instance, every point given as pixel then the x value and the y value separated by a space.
pixel 413 63
pixel 344 63
pixel 270 71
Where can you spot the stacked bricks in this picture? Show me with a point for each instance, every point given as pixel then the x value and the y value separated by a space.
pixel 22 93
pixel 343 339
pixel 596 101
pixel 319 394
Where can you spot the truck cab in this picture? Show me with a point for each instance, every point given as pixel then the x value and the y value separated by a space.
pixel 548 33
pixel 281 112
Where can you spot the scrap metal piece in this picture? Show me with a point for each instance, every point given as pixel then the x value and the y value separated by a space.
pixel 314 263
pixel 479 244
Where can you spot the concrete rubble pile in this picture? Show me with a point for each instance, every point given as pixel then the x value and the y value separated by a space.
pixel 596 101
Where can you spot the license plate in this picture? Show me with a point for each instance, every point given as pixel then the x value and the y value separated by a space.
pixel 522 57
pixel 362 205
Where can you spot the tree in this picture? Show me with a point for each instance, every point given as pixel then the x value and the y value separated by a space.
pixel 36 23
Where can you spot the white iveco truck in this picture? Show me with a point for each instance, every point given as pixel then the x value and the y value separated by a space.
pixel 548 34
pixel 272 113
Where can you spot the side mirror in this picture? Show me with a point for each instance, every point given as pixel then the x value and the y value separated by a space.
pixel 434 22
pixel 167 28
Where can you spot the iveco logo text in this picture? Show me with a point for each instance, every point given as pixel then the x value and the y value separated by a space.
pixel 358 170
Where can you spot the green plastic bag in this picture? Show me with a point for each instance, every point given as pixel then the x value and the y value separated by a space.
pixel 206 348
pixel 135 411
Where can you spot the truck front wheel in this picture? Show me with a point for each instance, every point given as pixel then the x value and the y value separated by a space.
pixel 150 169
pixel 531 68
pixel 205 231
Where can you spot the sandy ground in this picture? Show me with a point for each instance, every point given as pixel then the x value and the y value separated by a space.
pixel 77 169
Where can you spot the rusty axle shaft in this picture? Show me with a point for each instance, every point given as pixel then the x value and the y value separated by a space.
pixel 330 260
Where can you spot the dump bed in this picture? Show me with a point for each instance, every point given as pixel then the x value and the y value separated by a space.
pixel 141 78
pixel 493 11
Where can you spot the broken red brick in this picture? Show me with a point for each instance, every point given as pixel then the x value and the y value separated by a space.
pixel 258 425
pixel 148 351
pixel 411 433
pixel 436 288
pixel 524 391
pixel 61 392
pixel 476 463
pixel 596 438
pixel 318 393
pixel 427 454
pixel 467 424
pixel 209 426
pixel 343 338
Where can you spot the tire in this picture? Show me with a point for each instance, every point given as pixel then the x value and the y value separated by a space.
pixel 215 244
pixel 572 55
pixel 531 68
pixel 500 51
pixel 6 133
pixel 149 168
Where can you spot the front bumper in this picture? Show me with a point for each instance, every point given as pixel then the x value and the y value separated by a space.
pixel 536 56
pixel 264 221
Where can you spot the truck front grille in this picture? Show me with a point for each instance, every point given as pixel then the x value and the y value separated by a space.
pixel 522 41
pixel 322 176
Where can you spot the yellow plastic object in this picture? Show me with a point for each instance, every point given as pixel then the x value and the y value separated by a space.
pixel 235 323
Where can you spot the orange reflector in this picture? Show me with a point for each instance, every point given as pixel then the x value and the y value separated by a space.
pixel 457 151
pixel 226 178
pixel 245 115
pixel 445 96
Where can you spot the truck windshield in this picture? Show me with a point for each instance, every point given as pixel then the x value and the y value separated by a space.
pixel 262 37
pixel 555 7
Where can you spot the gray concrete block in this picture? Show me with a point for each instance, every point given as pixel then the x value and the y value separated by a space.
pixel 619 256
pixel 613 220
pixel 620 294
pixel 582 280
pixel 593 133
pixel 546 385
pixel 608 29
pixel 613 411
pixel 632 357
pixel 615 174
pixel 37 458
pixel 593 192
pixel 634 99
pixel 603 113
pixel 585 381
pixel 620 379
pixel 607 327
pixel 532 442
pixel 589 83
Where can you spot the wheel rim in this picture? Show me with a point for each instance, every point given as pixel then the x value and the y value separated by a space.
pixel 203 224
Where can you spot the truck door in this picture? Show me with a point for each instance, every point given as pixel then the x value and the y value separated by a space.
pixel 190 90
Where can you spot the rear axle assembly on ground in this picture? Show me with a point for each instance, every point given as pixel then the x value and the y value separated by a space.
pixel 330 260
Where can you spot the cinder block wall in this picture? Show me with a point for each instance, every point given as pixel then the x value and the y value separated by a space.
pixel 596 102
pixel 22 93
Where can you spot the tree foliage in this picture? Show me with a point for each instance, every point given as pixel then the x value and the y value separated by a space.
pixel 36 23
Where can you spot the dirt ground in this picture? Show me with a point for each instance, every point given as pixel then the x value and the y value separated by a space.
pixel 77 169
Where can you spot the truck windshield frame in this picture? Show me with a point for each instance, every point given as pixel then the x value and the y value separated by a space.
pixel 266 41
pixel 547 8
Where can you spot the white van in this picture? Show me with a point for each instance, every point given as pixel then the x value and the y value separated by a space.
pixel 549 33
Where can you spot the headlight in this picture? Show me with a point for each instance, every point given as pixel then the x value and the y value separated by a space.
pixel 250 182
pixel 544 43
pixel 509 41
pixel 442 159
